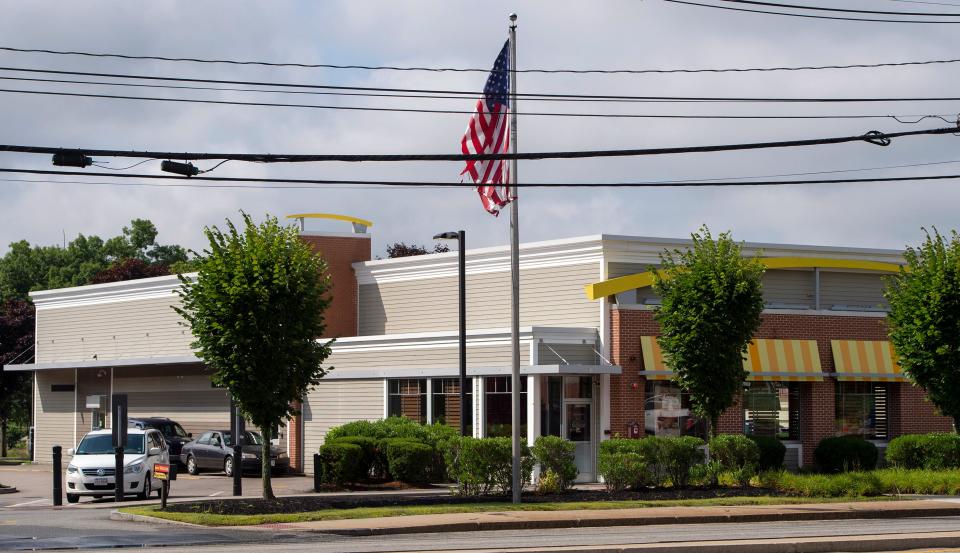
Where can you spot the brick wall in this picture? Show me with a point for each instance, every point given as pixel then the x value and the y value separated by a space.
pixel 909 411
pixel 340 252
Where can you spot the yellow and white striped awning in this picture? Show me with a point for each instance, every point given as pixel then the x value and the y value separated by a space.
pixel 766 360
pixel 866 361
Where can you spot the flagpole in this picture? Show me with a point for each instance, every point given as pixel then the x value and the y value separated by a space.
pixel 514 268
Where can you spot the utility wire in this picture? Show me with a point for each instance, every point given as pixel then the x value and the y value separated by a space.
pixel 808 16
pixel 898 118
pixel 874 137
pixel 842 10
pixel 440 184
pixel 476 94
pixel 487 70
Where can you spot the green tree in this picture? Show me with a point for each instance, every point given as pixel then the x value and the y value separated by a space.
pixel 924 318
pixel 256 311
pixel 711 304
pixel 16 339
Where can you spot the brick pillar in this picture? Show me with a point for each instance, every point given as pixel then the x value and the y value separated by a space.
pixel 731 420
pixel 817 415
pixel 627 388
pixel 294 426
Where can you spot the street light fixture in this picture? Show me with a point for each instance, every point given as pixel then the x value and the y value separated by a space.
pixel 460 237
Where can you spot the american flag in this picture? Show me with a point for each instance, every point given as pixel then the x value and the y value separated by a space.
pixel 489 133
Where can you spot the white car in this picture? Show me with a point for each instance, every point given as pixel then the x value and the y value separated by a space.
pixel 91 471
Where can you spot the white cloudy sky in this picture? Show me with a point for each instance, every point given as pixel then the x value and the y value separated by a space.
pixel 552 34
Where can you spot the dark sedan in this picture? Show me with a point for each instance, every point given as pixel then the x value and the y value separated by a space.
pixel 213 450
pixel 172 432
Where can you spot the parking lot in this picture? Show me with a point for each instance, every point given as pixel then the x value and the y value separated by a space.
pixel 35 483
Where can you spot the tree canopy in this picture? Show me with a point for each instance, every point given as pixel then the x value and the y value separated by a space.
pixel 711 304
pixel 256 311
pixel 402 249
pixel 925 318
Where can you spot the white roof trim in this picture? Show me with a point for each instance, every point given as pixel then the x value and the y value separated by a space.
pixel 432 372
pixel 103 363
pixel 141 288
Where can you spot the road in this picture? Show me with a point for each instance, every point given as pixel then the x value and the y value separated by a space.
pixel 40 529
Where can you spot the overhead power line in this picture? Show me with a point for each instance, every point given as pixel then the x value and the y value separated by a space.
pixel 874 137
pixel 442 184
pixel 809 16
pixel 842 10
pixel 484 70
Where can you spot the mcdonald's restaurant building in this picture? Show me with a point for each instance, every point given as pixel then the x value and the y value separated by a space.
pixel 820 364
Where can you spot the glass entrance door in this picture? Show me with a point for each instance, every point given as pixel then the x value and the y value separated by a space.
pixel 578 422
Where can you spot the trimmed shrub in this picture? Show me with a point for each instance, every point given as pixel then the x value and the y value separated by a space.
pixel 408 460
pixel 370 456
pixel 621 470
pixel 706 474
pixel 556 455
pixel 845 453
pixel 341 463
pixel 484 465
pixel 650 450
pixel 772 452
pixel 679 455
pixel 549 483
pixel 737 454
pixel 929 451
pixel 394 427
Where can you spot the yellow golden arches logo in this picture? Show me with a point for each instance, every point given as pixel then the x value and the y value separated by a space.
pixel 360 226
pixel 617 285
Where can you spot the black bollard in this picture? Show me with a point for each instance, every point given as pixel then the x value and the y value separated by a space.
pixel 317 474
pixel 237 470
pixel 57 476
pixel 118 475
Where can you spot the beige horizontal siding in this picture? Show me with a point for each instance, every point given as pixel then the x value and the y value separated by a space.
pixel 574 354
pixel 181 393
pixel 335 402
pixel 54 415
pixel 427 358
pixel 552 295
pixel 117 330
pixel 852 289
pixel 616 270
pixel 788 287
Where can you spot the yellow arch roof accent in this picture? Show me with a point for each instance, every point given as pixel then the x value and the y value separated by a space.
pixel 614 286
pixel 334 216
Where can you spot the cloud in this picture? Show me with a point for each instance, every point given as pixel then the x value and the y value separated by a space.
pixel 552 34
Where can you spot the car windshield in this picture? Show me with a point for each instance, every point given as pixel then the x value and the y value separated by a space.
pixel 170 429
pixel 101 444
pixel 249 438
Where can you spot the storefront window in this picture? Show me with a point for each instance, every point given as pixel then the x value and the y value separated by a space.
pixel 667 411
pixel 407 398
pixel 446 402
pixel 772 409
pixel 551 402
pixel 861 409
pixel 498 406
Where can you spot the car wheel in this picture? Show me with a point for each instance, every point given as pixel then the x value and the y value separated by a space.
pixel 72 498
pixel 192 467
pixel 145 494
pixel 228 466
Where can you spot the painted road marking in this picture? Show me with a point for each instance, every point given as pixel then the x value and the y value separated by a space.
pixel 215 494
pixel 27 503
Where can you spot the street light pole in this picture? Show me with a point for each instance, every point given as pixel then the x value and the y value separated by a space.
pixel 460 237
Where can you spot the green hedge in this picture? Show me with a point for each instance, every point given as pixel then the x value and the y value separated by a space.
pixel 772 452
pixel 408 460
pixel 395 427
pixel 482 466
pixel 557 455
pixel 370 461
pixel 341 463
pixel 854 484
pixel 928 451
pixel 622 470
pixel 845 453
pixel 663 458
pixel 736 454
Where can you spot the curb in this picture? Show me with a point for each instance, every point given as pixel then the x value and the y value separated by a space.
pixel 129 517
pixel 631 521
pixel 11 489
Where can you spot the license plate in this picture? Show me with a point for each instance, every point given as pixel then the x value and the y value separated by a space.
pixel 99 481
pixel 273 463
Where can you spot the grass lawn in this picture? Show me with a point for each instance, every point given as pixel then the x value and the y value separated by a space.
pixel 209 519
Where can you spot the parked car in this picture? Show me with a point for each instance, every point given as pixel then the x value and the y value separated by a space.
pixel 92 469
pixel 213 450
pixel 172 432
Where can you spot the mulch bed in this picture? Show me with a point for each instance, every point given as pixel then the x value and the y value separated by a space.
pixel 304 504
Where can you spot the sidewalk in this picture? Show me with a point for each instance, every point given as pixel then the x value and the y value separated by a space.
pixel 519 520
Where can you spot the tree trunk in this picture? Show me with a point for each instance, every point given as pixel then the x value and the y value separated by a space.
pixel 714 424
pixel 265 431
